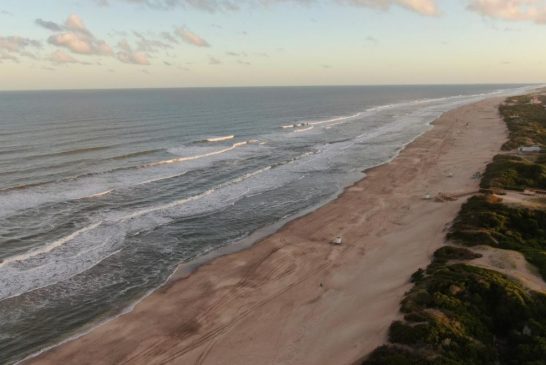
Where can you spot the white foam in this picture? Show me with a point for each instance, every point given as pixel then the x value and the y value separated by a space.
pixel 101 185
pixel 97 195
pixel 304 130
pixel 48 247
pixel 191 158
pixel 220 139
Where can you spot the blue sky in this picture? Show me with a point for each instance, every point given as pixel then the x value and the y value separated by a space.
pixel 178 43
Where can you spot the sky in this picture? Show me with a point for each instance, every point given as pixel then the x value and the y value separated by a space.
pixel 90 44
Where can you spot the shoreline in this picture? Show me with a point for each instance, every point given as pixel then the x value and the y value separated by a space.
pixel 204 263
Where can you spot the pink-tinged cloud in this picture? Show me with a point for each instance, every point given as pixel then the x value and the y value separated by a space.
pixel 76 24
pixel 12 47
pixel 512 10
pixel 17 44
pixel 4 56
pixel 128 55
pixel 81 43
pixel 191 38
pixel 60 57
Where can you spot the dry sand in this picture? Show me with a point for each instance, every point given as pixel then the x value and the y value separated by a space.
pixel 510 263
pixel 295 299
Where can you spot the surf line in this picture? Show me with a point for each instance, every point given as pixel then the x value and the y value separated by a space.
pixel 49 247
pixel 190 158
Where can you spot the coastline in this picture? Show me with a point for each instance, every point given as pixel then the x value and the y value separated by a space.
pixel 297 269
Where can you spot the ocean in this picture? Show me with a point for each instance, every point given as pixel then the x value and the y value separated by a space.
pixel 104 193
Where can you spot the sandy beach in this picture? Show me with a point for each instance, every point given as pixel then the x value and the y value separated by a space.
pixel 293 298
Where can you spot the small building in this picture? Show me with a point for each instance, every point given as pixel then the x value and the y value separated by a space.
pixel 529 149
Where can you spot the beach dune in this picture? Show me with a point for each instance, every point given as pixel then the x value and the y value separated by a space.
pixel 294 298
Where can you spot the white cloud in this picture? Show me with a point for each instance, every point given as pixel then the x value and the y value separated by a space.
pixel 513 10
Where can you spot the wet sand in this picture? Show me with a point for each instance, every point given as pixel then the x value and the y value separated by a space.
pixel 293 298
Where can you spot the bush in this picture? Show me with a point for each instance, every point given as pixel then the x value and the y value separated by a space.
pixel 526 123
pixel 472 316
pixel 514 173
pixel 446 253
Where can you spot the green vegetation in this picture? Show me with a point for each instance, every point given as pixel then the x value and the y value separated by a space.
pixel 459 314
pixel 447 253
pixel 483 222
pixel 526 122
pixel 514 173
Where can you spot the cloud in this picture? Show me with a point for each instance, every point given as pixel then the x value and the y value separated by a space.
pixel 76 37
pixel 13 46
pixel 80 43
pixel 150 45
pixel 512 10
pixel 214 61
pixel 60 57
pixel 5 12
pixel 206 5
pixel 169 37
pixel 17 43
pixel 49 25
pixel 189 37
pixel 4 56
pixel 425 7
pixel 72 24
pixel 76 24
pixel 128 55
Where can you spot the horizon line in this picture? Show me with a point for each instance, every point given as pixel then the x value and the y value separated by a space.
pixel 264 87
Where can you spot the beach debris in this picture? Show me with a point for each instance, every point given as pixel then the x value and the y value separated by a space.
pixel 529 149
pixel 427 196
pixel 338 241
pixel 450 174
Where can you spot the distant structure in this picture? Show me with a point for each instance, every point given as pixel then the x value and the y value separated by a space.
pixel 535 100
pixel 529 149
